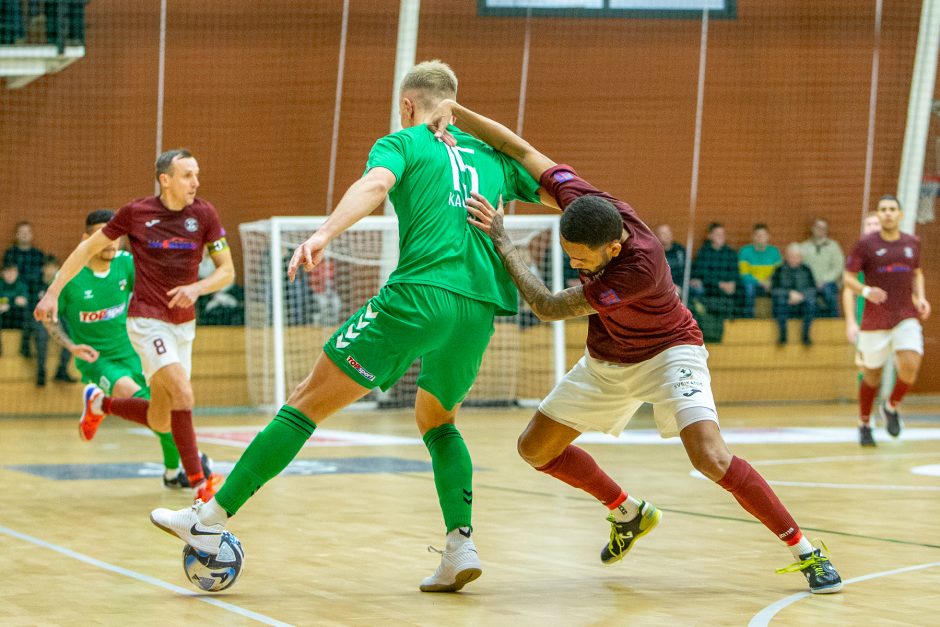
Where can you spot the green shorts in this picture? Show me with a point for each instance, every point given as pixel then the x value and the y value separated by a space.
pixel 105 372
pixel 404 322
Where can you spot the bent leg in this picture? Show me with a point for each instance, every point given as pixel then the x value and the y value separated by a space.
pixel 326 390
pixel 710 455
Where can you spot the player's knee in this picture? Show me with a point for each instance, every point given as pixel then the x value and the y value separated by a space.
pixel 531 452
pixel 712 463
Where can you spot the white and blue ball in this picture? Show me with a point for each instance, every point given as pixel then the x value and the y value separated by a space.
pixel 215 572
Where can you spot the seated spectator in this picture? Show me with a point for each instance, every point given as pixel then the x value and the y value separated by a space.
pixel 12 26
pixel 756 264
pixel 823 256
pixel 327 305
pixel 14 298
pixel 794 293
pixel 715 274
pixel 73 14
pixel 675 254
pixel 41 336
pixel 29 260
pixel 224 307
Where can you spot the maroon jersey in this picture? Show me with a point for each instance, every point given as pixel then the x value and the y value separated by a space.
pixel 639 314
pixel 890 266
pixel 167 248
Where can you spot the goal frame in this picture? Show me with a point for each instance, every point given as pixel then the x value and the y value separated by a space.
pixel 275 227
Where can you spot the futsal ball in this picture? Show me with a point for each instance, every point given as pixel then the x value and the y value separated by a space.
pixel 215 572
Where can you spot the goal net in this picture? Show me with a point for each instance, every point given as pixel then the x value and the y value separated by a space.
pixel 287 323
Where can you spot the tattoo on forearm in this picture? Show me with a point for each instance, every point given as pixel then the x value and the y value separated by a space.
pixel 569 303
pixel 58 333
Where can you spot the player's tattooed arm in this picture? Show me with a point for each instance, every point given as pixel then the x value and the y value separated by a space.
pixel 569 303
pixel 57 333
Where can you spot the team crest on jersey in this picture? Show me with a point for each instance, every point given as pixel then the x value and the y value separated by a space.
pixel 123 284
pixel 908 252
pixel 191 224
pixel 685 373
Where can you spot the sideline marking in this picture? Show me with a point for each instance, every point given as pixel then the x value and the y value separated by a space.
pixel 770 435
pixel 261 618
pixel 763 618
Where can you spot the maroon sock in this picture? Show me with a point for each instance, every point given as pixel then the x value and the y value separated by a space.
pixel 866 398
pixel 754 495
pixel 897 394
pixel 184 436
pixel 133 409
pixel 578 469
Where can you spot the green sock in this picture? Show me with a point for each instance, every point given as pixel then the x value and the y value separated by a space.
pixel 171 456
pixel 267 455
pixel 453 474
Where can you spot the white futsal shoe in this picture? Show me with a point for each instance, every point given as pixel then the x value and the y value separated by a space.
pixel 459 565
pixel 184 523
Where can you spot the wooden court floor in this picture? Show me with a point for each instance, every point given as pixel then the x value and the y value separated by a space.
pixel 349 548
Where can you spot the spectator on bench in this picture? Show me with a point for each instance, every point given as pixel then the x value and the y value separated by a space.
pixel 756 264
pixel 29 260
pixel 794 294
pixel 824 257
pixel 14 298
pixel 715 274
pixel 675 254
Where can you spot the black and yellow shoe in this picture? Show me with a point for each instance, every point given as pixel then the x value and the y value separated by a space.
pixel 623 535
pixel 818 570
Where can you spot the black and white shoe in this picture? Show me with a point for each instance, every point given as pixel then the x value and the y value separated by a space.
pixel 892 420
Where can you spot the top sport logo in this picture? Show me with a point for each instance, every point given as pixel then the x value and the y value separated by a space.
pixel 102 314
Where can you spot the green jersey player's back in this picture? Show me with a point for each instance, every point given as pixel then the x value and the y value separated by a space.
pixel 95 308
pixel 437 246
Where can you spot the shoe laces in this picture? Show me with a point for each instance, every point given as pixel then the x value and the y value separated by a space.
pixel 432 549
pixel 814 561
pixel 616 539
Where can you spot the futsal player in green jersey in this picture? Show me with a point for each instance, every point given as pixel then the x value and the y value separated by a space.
pixel 94 306
pixel 438 305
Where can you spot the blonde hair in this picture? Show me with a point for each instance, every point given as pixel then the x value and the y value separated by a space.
pixel 432 80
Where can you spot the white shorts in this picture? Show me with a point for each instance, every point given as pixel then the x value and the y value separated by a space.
pixel 598 395
pixel 160 343
pixel 876 346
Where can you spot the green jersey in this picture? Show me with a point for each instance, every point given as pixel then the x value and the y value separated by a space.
pixel 436 244
pixel 95 307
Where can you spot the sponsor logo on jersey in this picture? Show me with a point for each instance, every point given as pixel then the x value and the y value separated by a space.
pixel 365 373
pixel 894 268
pixel 191 225
pixel 561 177
pixel 102 314
pixel 89 294
pixel 608 297
pixel 150 223
pixel 174 243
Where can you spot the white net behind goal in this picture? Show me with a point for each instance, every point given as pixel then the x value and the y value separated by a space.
pixel 286 324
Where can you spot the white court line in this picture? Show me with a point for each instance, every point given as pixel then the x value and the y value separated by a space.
pixel 763 618
pixel 841 458
pixel 839 486
pixel 261 618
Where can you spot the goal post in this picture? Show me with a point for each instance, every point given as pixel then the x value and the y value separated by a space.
pixel 287 323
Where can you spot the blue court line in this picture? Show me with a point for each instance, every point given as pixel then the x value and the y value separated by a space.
pixel 261 618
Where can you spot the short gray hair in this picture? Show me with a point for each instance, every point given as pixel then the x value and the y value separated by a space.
pixel 165 161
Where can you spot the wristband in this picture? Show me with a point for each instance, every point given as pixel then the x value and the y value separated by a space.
pixel 866 291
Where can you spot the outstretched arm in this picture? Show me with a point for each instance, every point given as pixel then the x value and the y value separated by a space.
pixel 491 132
pixel 569 303
pixel 48 306
pixel 361 199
